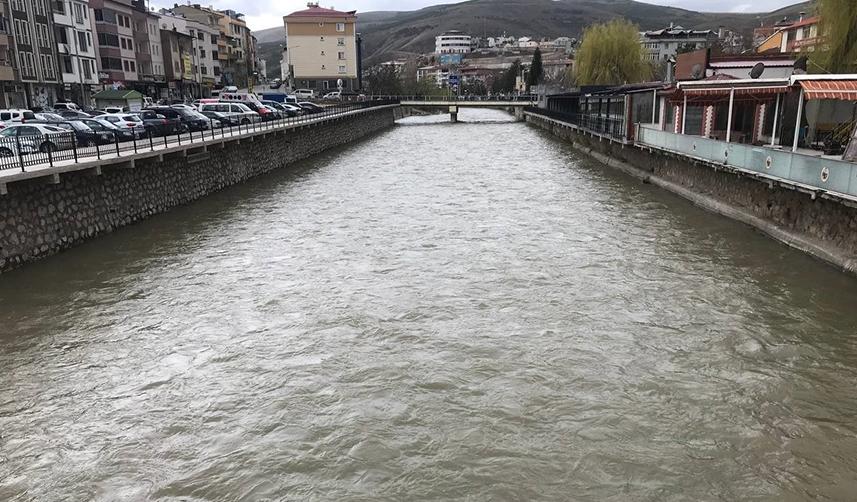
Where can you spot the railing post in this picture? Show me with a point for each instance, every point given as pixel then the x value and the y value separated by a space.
pixel 151 142
pixel 20 154
pixel 74 146
pixel 134 139
pixel 50 153
pixel 116 141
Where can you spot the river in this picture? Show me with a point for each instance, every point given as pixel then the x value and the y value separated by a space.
pixel 466 311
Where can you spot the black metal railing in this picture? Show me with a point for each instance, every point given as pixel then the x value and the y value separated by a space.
pixel 599 124
pixel 33 152
pixel 523 98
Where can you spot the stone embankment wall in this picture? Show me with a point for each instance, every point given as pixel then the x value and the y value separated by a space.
pixel 38 218
pixel 824 228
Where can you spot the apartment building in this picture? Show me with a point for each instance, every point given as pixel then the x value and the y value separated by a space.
pixel 76 46
pixel 661 45
pixel 232 48
pixel 36 51
pixel 115 41
pixel 12 93
pixel 321 49
pixel 208 48
pixel 178 46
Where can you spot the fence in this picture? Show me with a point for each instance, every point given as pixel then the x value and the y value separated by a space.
pixel 31 152
pixel 823 174
pixel 599 124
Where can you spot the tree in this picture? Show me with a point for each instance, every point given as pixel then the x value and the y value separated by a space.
pixel 506 82
pixel 611 53
pixel 384 80
pixel 537 72
pixel 837 24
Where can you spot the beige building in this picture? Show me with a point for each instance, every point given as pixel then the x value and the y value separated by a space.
pixel 321 48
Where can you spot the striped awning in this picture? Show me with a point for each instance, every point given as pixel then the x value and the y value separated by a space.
pixel 739 91
pixel 830 89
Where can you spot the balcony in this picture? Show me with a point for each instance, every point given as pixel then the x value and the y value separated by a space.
pixel 7 73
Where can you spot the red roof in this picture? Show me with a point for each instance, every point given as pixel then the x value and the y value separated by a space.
pixel 830 89
pixel 322 12
pixel 809 20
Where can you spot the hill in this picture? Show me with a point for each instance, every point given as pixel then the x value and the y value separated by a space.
pixel 392 34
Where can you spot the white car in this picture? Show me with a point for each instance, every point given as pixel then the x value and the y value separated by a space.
pixel 59 107
pixel 15 116
pixel 30 138
pixel 240 112
pixel 335 95
pixel 304 93
pixel 127 121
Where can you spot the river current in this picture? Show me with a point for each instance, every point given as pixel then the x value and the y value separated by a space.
pixel 466 311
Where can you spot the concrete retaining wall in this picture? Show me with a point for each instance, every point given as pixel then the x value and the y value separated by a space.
pixel 40 217
pixel 824 228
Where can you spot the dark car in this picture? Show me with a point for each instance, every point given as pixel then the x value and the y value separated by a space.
pixel 103 126
pixel 85 135
pixel 160 125
pixel 310 107
pixel 73 114
pixel 265 113
pixel 225 120
pixel 284 111
pixel 191 120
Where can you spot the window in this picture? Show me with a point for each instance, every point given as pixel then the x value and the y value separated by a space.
pixel 108 40
pixel 59 6
pixel 340 41
pixel 86 65
pixel 67 66
pixel 79 13
pixel 340 26
pixel 214 39
pixel 201 35
pixel 133 66
pixel 202 53
pixel 342 68
pixel 111 63
pixel 340 55
pixel 82 41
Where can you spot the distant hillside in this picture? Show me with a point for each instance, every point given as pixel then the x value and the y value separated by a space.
pixel 390 34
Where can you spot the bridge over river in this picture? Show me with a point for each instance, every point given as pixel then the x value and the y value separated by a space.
pixel 430 314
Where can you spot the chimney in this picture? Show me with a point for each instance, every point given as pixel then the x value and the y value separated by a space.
pixel 801 14
pixel 671 25
pixel 721 32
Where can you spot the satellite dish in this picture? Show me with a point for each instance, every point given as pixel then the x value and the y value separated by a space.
pixel 757 70
pixel 696 71
pixel 800 65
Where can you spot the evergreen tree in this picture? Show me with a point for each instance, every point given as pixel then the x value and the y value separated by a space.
pixel 537 72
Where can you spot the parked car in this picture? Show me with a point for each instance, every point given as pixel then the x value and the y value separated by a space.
pixel 31 138
pixel 304 93
pixel 293 107
pixel 221 119
pixel 310 107
pixel 333 96
pixel 190 120
pixel 114 109
pixel 85 135
pixel 118 133
pixel 286 111
pixel 68 105
pixel 159 125
pixel 126 121
pixel 229 88
pixel 15 116
pixel 264 113
pixel 74 114
pixel 50 118
pixel 276 84
pixel 243 114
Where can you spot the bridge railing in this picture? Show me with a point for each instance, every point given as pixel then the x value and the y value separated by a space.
pixel 32 152
pixel 604 125
pixel 524 98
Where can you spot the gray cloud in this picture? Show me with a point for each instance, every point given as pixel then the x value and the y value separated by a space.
pixel 263 14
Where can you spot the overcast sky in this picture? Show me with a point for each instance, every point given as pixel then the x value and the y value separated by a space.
pixel 263 14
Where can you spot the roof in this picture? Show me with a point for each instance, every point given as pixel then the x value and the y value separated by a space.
pixel 322 12
pixel 117 94
pixel 805 22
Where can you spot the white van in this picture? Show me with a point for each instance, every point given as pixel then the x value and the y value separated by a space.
pixel 241 113
pixel 304 93
pixel 15 116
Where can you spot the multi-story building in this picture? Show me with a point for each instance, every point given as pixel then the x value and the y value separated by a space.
pixel 178 47
pixel 147 48
pixel 115 41
pixel 76 45
pixel 661 45
pixel 36 50
pixel 232 48
pixel 12 94
pixel 204 56
pixel 803 35
pixel 452 42
pixel 210 61
pixel 321 49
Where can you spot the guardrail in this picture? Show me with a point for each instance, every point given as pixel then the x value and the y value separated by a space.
pixel 805 171
pixel 33 152
pixel 524 98
pixel 607 126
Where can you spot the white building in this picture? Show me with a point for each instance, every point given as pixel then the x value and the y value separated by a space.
pixel 661 45
pixel 452 42
pixel 206 65
pixel 527 43
pixel 73 21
